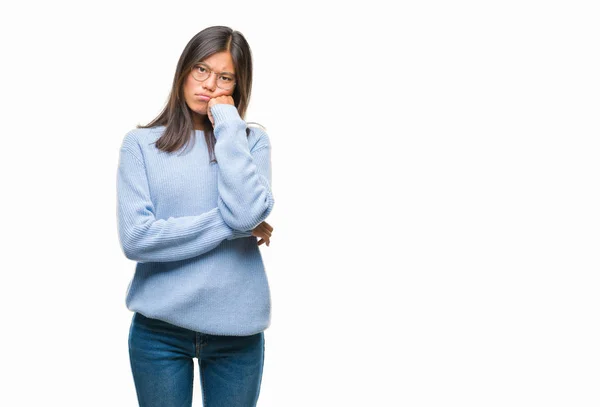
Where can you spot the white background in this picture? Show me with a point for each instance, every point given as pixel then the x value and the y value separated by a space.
pixel 435 173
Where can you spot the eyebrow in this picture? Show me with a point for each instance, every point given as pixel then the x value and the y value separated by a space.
pixel 204 63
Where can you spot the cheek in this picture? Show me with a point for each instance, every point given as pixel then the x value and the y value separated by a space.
pixel 189 85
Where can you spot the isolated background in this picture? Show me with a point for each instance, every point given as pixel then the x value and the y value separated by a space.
pixel 435 172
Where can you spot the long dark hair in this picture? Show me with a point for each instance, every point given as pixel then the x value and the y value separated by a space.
pixel 177 116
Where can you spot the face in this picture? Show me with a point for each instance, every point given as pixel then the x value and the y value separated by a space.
pixel 219 62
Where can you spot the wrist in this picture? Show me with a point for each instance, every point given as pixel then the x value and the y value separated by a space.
pixel 224 112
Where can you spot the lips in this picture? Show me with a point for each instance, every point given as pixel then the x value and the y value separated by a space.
pixel 203 98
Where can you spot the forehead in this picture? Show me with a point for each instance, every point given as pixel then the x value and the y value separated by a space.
pixel 221 62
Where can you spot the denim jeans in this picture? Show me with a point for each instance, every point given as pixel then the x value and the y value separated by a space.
pixel 161 356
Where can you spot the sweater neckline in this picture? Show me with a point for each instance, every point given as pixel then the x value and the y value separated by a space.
pixel 195 131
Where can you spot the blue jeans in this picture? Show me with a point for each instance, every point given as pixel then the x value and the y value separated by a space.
pixel 161 356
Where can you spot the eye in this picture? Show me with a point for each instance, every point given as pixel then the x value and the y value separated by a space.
pixel 226 78
pixel 200 68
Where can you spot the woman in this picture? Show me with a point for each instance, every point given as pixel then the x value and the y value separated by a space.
pixel 191 219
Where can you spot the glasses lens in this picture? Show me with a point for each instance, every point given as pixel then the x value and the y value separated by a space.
pixel 200 73
pixel 225 81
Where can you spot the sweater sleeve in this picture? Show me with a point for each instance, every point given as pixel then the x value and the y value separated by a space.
pixel 244 176
pixel 144 238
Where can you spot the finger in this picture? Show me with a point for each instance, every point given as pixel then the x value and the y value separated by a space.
pixel 269 227
pixel 261 241
pixel 265 231
pixel 260 229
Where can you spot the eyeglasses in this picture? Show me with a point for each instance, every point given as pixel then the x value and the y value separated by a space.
pixel 201 72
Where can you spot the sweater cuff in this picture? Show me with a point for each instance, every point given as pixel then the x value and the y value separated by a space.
pixel 238 233
pixel 223 112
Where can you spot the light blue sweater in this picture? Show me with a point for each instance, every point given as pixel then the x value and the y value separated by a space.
pixel 187 223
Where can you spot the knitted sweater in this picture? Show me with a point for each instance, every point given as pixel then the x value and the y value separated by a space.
pixel 187 223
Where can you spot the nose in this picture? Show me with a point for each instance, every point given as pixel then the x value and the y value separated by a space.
pixel 210 82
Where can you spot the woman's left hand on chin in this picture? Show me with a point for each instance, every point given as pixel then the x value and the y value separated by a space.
pixel 223 99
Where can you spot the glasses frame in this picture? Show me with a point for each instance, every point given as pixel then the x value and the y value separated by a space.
pixel 210 72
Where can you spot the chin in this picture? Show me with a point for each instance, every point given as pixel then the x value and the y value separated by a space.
pixel 199 110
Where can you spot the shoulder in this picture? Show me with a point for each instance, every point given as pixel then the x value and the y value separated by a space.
pixel 258 137
pixel 134 139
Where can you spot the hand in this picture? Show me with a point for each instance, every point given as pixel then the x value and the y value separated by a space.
pixel 264 232
pixel 224 99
